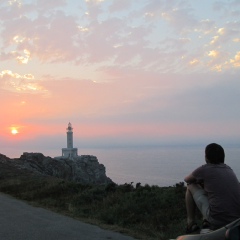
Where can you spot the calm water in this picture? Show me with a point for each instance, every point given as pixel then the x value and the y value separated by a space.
pixel 163 166
pixel 156 166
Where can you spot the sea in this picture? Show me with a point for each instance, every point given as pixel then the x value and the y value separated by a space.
pixel 161 166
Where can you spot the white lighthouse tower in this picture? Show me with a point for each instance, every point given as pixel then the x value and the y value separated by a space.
pixel 70 152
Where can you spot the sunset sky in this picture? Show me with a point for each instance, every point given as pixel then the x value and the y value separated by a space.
pixel 123 72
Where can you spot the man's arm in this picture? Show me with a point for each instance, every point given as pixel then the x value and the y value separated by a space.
pixel 190 179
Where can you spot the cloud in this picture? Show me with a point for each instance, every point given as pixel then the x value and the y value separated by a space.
pixel 48 38
pixel 15 82
pixel 205 26
pixel 114 32
pixel 24 59
pixel 236 61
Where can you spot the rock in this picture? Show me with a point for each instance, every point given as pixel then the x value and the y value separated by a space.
pixel 85 169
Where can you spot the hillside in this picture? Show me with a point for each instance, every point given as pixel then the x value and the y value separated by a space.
pixel 145 212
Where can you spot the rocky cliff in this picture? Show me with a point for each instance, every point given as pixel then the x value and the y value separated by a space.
pixel 85 169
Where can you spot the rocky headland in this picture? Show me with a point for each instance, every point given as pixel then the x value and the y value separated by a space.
pixel 85 169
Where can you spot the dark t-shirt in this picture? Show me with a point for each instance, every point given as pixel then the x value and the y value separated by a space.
pixel 223 191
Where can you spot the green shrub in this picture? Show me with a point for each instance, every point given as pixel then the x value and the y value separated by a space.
pixel 151 211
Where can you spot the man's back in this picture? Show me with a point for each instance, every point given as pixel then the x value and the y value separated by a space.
pixel 223 191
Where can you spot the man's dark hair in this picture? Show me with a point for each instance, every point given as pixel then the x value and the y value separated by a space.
pixel 214 153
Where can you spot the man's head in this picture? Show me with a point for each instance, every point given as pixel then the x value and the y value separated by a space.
pixel 214 153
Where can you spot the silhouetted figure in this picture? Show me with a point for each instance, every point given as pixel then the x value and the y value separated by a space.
pixel 215 190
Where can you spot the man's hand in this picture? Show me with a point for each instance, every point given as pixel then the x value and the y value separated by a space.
pixel 190 179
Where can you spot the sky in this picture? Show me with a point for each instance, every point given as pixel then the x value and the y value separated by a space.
pixel 123 72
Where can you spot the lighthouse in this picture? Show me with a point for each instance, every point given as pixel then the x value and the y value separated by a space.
pixel 69 136
pixel 70 152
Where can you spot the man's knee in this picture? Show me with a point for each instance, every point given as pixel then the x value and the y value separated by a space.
pixel 200 198
pixel 194 187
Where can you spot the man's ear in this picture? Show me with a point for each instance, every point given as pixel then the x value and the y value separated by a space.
pixel 206 160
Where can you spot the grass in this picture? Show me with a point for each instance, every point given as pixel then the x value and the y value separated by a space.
pixel 145 212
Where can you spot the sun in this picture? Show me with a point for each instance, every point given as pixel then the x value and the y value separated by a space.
pixel 14 131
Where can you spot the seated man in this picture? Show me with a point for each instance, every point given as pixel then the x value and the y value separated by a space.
pixel 215 190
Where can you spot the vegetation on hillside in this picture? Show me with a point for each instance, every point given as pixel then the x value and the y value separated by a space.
pixel 146 212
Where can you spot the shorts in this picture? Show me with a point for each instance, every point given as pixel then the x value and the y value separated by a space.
pixel 201 200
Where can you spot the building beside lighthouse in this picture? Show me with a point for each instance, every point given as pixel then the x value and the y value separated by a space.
pixel 70 152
